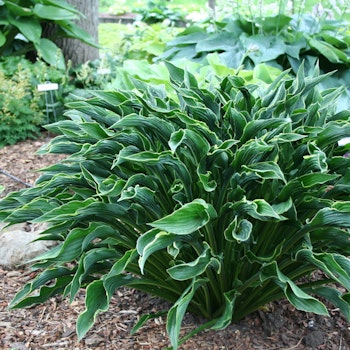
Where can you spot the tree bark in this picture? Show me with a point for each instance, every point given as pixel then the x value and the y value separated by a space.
pixel 74 50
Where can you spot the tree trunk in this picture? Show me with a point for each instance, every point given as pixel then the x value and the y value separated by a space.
pixel 74 50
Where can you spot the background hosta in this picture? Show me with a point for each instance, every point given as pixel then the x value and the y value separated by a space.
pixel 220 200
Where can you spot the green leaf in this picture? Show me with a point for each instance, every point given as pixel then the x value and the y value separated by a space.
pixel 90 208
pixel 336 266
pixel 258 209
pixel 87 263
pixel 95 302
pixel 40 280
pixel 329 217
pixel 17 10
pixel 266 170
pixel 180 76
pixel 296 296
pixel 29 27
pixel 178 310
pixel 263 48
pixel 333 54
pixel 53 13
pixel 45 293
pixel 193 142
pixel 226 318
pixel 185 271
pixel 239 231
pixel 335 297
pixel 74 31
pixel 188 219
pixel 265 73
pixel 63 4
pixel 50 53
pixel 152 241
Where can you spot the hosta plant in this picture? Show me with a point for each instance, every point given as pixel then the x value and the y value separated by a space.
pixel 220 201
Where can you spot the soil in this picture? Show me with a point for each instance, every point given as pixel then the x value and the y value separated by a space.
pixel 52 325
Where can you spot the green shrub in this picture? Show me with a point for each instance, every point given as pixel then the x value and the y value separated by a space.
pixel 22 106
pixel 158 12
pixel 221 200
pixel 147 41
pixel 22 109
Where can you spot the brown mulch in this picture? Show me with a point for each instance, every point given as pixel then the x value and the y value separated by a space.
pixel 52 325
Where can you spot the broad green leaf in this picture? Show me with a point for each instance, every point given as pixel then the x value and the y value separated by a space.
pixel 29 27
pixel 264 48
pixel 162 128
pixel 17 10
pixel 90 208
pixel 310 180
pixel 273 23
pixel 336 266
pixel 50 53
pixel 191 141
pixel 97 299
pixel 207 181
pixel 53 13
pixel 191 35
pixel 187 219
pixel 332 133
pixel 265 73
pixel 121 264
pixel 180 76
pixel 45 293
pixel 328 217
pixel 218 42
pixel 296 296
pixel 335 297
pixel 333 54
pixel 62 4
pixel 96 130
pixel 74 31
pixel 33 210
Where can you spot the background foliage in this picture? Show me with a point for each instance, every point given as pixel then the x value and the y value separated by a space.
pixel 23 26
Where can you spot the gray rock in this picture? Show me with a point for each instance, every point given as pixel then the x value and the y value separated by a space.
pixel 17 246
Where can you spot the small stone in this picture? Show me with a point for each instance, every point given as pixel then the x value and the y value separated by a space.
pixel 93 341
pixel 11 274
